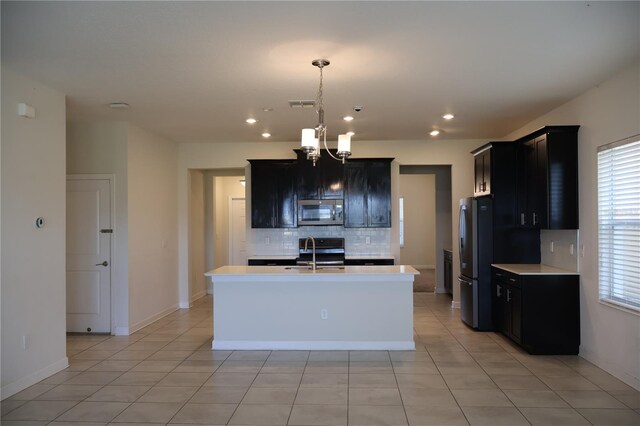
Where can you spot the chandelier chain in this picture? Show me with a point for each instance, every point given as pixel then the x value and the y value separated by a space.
pixel 319 103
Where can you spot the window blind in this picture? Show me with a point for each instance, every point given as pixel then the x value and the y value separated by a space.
pixel 619 222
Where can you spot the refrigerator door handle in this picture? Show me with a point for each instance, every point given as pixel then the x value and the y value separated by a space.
pixel 462 230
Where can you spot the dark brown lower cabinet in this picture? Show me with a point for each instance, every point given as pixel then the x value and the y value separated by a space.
pixel 370 262
pixel 271 262
pixel 448 271
pixel 541 313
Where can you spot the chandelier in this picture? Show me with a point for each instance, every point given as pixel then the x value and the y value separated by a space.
pixel 311 138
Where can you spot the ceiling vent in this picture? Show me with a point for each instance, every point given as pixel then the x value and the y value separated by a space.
pixel 302 104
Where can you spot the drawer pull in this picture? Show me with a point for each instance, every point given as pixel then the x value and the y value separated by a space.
pixel 513 280
pixel 498 274
pixel 508 295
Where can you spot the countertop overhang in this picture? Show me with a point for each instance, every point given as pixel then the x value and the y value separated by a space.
pixel 286 273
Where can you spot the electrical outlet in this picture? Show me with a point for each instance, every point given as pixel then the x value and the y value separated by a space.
pixel 571 249
pixel 324 314
pixel 267 240
pixel 367 240
pixel 551 246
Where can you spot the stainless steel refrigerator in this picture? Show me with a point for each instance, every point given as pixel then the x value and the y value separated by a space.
pixel 488 234
pixel 476 253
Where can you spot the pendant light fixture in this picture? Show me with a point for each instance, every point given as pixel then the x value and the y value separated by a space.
pixel 311 138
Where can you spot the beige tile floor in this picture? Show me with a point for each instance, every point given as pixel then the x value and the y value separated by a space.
pixel 166 373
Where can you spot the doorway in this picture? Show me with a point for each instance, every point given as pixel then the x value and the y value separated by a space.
pixel 88 253
pixel 237 231
pixel 442 237
pixel 211 192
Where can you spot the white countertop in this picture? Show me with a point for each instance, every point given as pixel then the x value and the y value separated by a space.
pixel 266 274
pixel 295 256
pixel 289 271
pixel 274 257
pixel 533 269
pixel 372 256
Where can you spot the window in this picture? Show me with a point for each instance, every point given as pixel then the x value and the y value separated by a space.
pixel 619 223
pixel 401 216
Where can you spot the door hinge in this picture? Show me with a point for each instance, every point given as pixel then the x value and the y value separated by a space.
pixel 106 231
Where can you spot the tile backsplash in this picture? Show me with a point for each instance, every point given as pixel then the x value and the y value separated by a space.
pixel 358 241
pixel 565 248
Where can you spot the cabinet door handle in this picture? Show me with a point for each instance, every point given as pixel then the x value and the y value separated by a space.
pixel 498 292
pixel 498 274
pixel 522 219
pixel 535 219
pixel 508 295
pixel 513 280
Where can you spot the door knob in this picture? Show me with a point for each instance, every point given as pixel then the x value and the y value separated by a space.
pixel 105 263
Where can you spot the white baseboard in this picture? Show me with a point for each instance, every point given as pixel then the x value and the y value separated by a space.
pixel 153 318
pixel 121 331
pixel 424 266
pixel 316 345
pixel 610 368
pixel 455 305
pixel 33 378
pixel 198 295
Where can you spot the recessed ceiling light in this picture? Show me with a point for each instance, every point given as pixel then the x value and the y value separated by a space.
pixel 119 105
pixel 251 120
pixel 447 116
pixel 348 118
pixel 350 133
pixel 434 132
pixel 266 135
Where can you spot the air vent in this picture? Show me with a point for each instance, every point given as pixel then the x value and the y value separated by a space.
pixel 302 104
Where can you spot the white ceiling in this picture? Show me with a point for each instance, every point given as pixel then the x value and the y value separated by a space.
pixel 193 71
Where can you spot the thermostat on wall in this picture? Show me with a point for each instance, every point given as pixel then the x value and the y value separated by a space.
pixel 27 111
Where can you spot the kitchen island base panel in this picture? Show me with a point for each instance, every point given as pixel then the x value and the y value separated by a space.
pixel 311 345
pixel 314 311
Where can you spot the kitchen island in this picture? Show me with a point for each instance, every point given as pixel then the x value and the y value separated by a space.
pixel 293 308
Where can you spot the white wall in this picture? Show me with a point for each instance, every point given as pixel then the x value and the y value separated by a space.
pixel 419 193
pixel 606 113
pixel 101 148
pixel 153 221
pixel 33 260
pixel 197 284
pixel 234 155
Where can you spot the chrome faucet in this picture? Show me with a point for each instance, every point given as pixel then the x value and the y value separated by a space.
pixel 313 251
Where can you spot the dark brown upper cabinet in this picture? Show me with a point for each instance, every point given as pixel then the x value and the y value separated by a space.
pixel 273 194
pixel 367 194
pixel 324 181
pixel 547 178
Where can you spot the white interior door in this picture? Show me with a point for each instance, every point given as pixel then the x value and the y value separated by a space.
pixel 237 227
pixel 88 255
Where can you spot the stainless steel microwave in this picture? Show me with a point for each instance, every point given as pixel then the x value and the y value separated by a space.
pixel 320 212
